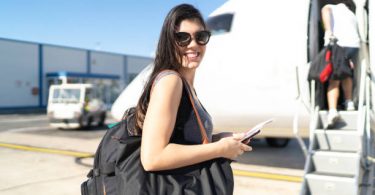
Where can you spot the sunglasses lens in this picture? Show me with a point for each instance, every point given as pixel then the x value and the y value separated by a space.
pixel 183 39
pixel 202 37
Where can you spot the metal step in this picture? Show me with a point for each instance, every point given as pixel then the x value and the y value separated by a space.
pixel 320 184
pixel 334 161
pixel 347 120
pixel 337 140
pixel 339 163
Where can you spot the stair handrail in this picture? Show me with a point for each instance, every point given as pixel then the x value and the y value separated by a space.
pixel 364 104
pixel 370 81
pixel 299 101
pixel 369 141
pixel 361 101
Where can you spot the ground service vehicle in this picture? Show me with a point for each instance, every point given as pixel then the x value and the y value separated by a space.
pixel 75 106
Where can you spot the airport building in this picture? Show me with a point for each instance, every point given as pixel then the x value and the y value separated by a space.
pixel 29 68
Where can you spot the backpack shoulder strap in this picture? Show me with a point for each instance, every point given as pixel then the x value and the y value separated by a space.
pixel 199 120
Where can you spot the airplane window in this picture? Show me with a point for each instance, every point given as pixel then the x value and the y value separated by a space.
pixel 220 24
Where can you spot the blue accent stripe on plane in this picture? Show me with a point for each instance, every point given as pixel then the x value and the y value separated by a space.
pixel 83 75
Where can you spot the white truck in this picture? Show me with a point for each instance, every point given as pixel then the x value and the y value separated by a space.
pixel 75 106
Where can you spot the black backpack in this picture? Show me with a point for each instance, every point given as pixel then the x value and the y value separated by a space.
pixel 102 177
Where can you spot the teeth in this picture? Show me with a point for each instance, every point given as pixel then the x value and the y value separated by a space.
pixel 191 55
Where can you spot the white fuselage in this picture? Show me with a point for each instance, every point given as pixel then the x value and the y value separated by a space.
pixel 249 74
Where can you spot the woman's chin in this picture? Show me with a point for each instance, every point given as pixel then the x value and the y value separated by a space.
pixel 192 65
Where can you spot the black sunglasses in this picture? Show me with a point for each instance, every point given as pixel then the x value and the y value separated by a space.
pixel 183 39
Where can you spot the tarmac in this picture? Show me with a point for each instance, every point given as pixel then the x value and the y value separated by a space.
pixel 37 164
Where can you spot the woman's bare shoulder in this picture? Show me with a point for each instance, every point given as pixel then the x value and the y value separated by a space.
pixel 167 81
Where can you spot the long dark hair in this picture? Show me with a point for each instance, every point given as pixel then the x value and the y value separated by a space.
pixel 349 3
pixel 167 54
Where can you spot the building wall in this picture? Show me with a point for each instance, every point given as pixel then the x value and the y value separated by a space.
pixel 25 65
pixel 64 59
pixel 57 58
pixel 107 63
pixel 136 63
pixel 19 74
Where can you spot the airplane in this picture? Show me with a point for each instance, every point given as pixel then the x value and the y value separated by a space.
pixel 256 64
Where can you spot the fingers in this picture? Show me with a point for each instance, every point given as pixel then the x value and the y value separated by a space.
pixel 246 141
pixel 234 148
pixel 243 148
pixel 238 136
pixel 246 148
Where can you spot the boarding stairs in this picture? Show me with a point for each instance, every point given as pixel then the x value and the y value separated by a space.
pixel 336 161
pixel 339 159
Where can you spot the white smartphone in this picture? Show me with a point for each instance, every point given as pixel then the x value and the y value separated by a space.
pixel 255 130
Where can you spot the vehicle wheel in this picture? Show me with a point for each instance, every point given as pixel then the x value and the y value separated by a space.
pixel 102 120
pixel 277 142
pixel 81 123
pixel 89 122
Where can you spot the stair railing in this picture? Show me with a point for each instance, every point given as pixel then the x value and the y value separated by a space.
pixel 299 101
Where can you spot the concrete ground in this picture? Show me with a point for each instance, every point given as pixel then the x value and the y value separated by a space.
pixel 40 172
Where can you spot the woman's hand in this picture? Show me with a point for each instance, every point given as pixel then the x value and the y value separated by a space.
pixel 232 147
pixel 351 64
pixel 218 136
pixel 240 136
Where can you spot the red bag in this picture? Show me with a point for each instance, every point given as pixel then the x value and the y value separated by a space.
pixel 326 72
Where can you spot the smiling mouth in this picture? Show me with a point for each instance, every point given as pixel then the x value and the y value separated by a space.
pixel 192 55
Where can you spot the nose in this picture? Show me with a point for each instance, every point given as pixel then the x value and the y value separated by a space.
pixel 193 42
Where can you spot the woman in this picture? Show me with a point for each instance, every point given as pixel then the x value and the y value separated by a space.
pixel 180 50
pixel 340 23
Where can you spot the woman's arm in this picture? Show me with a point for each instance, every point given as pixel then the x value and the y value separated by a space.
pixel 156 151
pixel 327 20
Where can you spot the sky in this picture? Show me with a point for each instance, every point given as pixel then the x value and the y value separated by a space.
pixel 120 26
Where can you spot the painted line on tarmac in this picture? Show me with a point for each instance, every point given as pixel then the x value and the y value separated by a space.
pixel 22 129
pixel 12 120
pixel 46 150
pixel 236 172
pixel 268 176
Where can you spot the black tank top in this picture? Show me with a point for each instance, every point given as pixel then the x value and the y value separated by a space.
pixel 186 130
